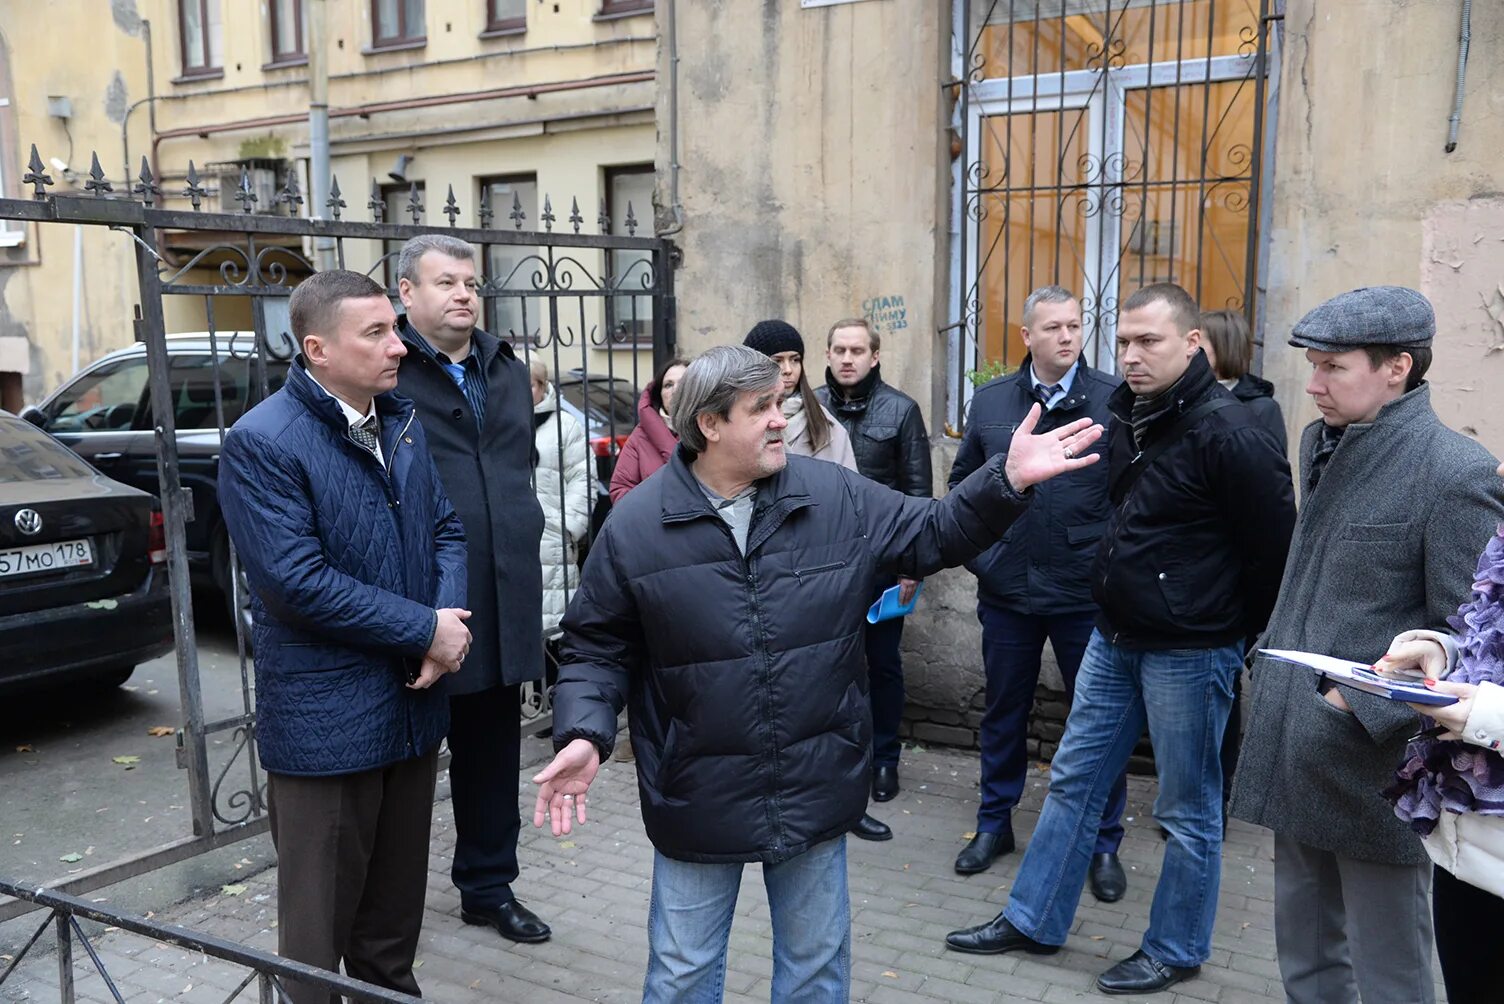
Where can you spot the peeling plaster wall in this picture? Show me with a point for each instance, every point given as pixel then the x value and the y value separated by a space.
pixel 101 78
pixel 1364 193
pixel 813 179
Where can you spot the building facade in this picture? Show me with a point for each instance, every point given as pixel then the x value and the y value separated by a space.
pixel 928 164
pixel 521 108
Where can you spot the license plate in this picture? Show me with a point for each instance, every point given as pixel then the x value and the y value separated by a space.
pixel 37 558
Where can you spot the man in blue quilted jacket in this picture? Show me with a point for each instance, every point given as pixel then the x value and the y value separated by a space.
pixel 356 562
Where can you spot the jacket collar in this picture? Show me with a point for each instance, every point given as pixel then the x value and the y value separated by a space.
pixel 485 345
pixel 1190 390
pixel 1074 398
pixel 1251 388
pixel 390 406
pixel 777 496
pixel 854 400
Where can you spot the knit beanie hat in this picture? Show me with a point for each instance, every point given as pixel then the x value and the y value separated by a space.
pixel 773 337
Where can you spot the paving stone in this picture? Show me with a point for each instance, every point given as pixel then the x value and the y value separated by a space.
pixel 593 888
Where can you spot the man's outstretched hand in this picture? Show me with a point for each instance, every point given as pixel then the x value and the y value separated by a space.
pixel 1032 459
pixel 563 783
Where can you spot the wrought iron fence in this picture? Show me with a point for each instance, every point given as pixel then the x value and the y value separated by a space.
pixel 1104 145
pixel 267 972
pixel 580 301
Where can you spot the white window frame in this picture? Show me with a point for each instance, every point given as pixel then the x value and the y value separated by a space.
pixel 9 238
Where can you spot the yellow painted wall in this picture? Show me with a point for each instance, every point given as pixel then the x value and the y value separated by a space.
pixel 576 96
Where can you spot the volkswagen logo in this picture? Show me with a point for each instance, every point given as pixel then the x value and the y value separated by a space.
pixel 29 522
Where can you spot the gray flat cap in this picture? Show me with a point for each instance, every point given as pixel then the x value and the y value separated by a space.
pixel 1375 315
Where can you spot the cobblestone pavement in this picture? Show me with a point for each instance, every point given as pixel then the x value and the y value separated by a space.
pixel 593 888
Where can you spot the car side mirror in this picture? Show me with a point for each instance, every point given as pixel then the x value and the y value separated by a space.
pixel 36 416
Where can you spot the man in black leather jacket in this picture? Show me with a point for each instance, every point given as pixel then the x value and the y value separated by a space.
pixel 892 448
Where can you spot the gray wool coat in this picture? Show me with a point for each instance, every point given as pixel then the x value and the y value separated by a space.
pixel 1387 541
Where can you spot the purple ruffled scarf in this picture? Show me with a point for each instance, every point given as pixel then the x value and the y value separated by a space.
pixel 1454 775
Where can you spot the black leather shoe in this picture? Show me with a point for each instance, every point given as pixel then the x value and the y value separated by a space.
pixel 1141 973
pixel 512 921
pixel 1108 883
pixel 884 782
pixel 995 937
pixel 870 829
pixel 984 848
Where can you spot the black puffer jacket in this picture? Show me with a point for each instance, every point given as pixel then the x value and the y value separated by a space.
pixel 887 432
pixel 747 676
pixel 1258 394
pixel 1195 548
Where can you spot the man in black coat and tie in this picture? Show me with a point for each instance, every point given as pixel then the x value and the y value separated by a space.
pixel 475 401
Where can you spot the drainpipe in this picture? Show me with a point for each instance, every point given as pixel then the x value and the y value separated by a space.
pixel 1463 42
pixel 318 126
pixel 673 124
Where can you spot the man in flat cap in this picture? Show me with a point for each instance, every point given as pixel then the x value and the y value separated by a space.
pixel 1394 507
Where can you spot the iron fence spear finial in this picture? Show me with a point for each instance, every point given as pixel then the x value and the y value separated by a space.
pixel 147 187
pixel 574 214
pixel 413 205
pixel 548 215
pixel 517 215
pixel 195 192
pixel 377 205
pixel 334 202
pixel 36 175
pixel 451 208
pixel 244 194
pixel 486 213
pixel 97 183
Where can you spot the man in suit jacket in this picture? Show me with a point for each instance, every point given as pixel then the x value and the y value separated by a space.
pixel 1036 583
pixel 474 398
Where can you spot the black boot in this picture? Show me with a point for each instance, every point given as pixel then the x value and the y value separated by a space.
pixel 984 848
pixel 995 937
pixel 1108 883
pixel 868 828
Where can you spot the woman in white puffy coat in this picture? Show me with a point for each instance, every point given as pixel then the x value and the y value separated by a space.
pixel 563 486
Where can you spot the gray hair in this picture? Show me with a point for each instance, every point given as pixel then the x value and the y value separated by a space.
pixel 713 382
pixel 1045 294
pixel 413 251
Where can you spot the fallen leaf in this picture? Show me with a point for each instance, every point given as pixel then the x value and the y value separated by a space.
pixel 969 835
pixel 127 761
pixel 232 890
pixel 890 974
pixel 161 730
pixel 71 858
pixel 418 964
pixel 1097 937
pixel 568 845
pixel 25 748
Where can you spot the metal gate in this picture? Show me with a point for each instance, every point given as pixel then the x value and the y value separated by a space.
pixel 592 305
pixel 1105 145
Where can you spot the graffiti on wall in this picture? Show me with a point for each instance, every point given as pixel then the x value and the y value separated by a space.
pixel 886 314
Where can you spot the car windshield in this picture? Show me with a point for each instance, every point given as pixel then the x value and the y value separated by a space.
pixel 27 454
pixel 610 407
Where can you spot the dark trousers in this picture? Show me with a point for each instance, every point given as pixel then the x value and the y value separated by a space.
pixel 885 685
pixel 1012 645
pixel 352 871
pixel 1467 924
pixel 485 744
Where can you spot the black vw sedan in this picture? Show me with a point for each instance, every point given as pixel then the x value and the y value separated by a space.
pixel 83 574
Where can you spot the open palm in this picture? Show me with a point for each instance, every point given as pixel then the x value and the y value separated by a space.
pixel 1032 459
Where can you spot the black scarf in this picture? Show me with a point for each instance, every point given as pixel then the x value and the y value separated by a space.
pixel 1326 445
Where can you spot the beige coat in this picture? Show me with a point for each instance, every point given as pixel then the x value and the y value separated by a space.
pixel 796 437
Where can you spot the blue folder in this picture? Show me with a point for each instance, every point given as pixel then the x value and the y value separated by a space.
pixel 887 606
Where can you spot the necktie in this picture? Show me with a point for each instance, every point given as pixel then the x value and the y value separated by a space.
pixel 1044 393
pixel 364 434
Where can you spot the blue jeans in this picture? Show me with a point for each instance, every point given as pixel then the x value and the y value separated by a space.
pixel 1011 646
pixel 689 923
pixel 1183 696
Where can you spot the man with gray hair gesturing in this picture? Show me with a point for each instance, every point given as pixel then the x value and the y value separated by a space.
pixel 725 602
pixel 474 398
